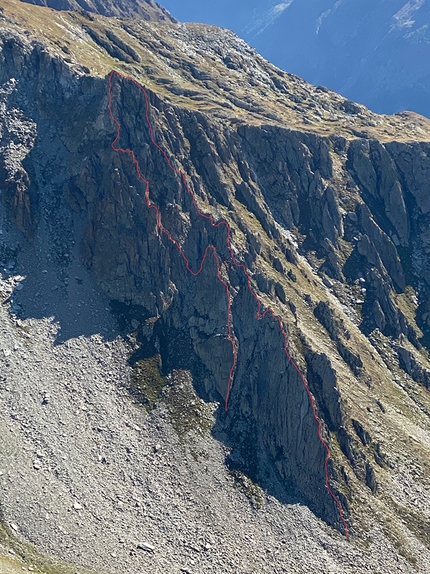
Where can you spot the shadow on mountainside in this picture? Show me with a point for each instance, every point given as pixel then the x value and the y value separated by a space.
pixel 47 287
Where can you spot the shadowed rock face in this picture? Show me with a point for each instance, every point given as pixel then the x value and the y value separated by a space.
pixel 333 231
pixel 146 9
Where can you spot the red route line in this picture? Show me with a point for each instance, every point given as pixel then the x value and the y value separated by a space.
pixel 259 314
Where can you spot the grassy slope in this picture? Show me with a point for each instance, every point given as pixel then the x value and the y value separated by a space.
pixel 168 63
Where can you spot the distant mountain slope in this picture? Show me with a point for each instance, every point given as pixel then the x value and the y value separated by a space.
pixel 146 9
pixel 376 52
pixel 373 51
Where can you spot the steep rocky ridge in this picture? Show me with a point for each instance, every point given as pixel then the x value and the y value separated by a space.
pixel 328 206
pixel 146 9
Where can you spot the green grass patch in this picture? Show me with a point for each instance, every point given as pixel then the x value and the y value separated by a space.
pixel 26 556
pixel 188 412
pixel 252 491
pixel 147 383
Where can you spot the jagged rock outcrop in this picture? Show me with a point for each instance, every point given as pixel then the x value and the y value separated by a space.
pixel 323 382
pixel 290 168
pixel 409 363
pixel 378 249
pixel 17 138
pixel 377 176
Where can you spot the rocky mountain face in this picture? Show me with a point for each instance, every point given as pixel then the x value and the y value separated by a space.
pixel 146 9
pixel 374 52
pixel 329 214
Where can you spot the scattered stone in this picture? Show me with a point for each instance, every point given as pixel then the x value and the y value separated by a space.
pixel 361 432
pixel 46 398
pixel 145 546
pixel 381 406
pixel 291 275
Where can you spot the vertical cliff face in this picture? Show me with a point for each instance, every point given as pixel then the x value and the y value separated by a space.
pixel 270 423
pixel 331 225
